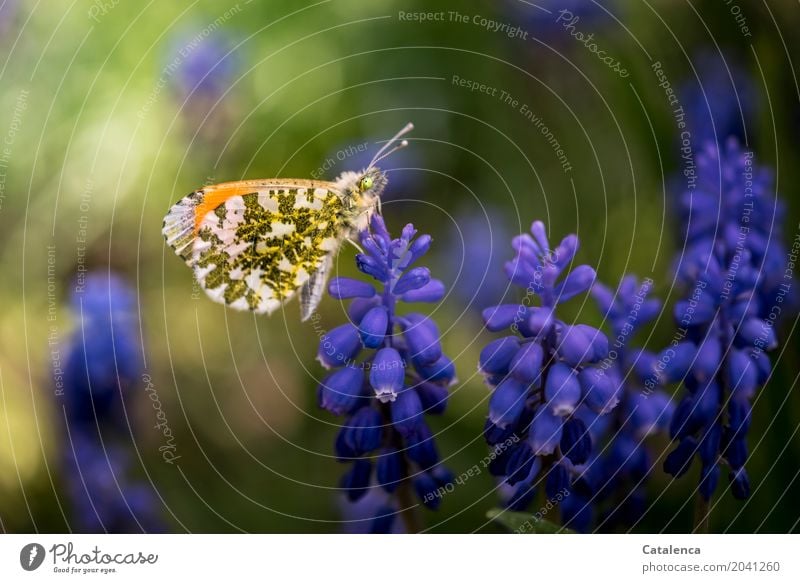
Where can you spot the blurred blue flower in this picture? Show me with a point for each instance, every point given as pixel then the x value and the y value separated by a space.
pixel 202 65
pixel 102 365
pixel 8 13
pixel 616 479
pixel 388 370
pixel 548 398
pixel 473 249
pixel 103 497
pixel 720 102
pixel 104 360
pixel 733 269
pixel 374 513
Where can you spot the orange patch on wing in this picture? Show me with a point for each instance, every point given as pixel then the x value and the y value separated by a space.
pixel 214 196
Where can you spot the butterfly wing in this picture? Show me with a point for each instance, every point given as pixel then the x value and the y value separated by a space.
pixel 312 291
pixel 254 244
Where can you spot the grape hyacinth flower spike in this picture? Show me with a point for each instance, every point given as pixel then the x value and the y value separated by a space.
pixel 734 272
pixel 388 372
pixel 544 384
pixel 102 366
pixel 619 474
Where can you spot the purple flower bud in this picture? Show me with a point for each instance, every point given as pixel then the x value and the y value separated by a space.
pixel 735 451
pixel 494 434
pixel 677 362
pixel 343 451
pixel 764 366
pixel 545 432
pixel 372 267
pixel 521 496
pixel 441 371
pixel 578 281
pixel 430 293
pixel 507 402
pixel 426 489
pixel 363 431
pixel 598 340
pixel 526 366
pixel 696 411
pixel 742 374
pixel 413 279
pixel 389 469
pixel 546 280
pixel 433 397
pixel 417 249
pixel 601 389
pixel 407 412
pixel 503 316
pixel 707 362
pixel 707 403
pixel 387 374
pixel 680 459
pixel 739 415
pixel 576 444
pixel 520 463
pixel 519 273
pixel 566 250
pixel 649 413
pixel 360 306
pixel 422 338
pixel 681 425
pixel 345 288
pixel 356 481
pixel 644 364
pixel 373 327
pixel 442 475
pixel 421 447
pixel 540 321
pixel 339 347
pixel 408 233
pixel 496 356
pixel 562 389
pixel 604 297
pixel 696 312
pixel 574 346
pixel 649 310
pixel 756 332
pixel 540 235
pixel 340 392
pixel 376 248
pixel 708 447
pixel 557 481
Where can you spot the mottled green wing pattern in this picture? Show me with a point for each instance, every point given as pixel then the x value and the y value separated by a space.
pixel 255 251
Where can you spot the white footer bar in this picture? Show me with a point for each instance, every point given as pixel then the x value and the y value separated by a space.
pixel 399 558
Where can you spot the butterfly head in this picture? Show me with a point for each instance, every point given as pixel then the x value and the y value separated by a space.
pixel 372 179
pixel 371 183
pixel 364 188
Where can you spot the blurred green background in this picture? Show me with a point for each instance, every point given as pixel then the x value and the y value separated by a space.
pixel 111 111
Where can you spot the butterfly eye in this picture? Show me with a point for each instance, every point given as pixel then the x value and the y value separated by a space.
pixel 366 183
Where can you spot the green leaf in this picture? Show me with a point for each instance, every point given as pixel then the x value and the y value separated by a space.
pixel 523 523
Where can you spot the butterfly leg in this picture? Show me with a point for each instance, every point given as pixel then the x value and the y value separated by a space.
pixel 356 245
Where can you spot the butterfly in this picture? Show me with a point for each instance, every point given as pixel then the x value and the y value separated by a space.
pixel 253 244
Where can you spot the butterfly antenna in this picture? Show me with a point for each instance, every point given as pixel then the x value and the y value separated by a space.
pixel 399 146
pixel 381 154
